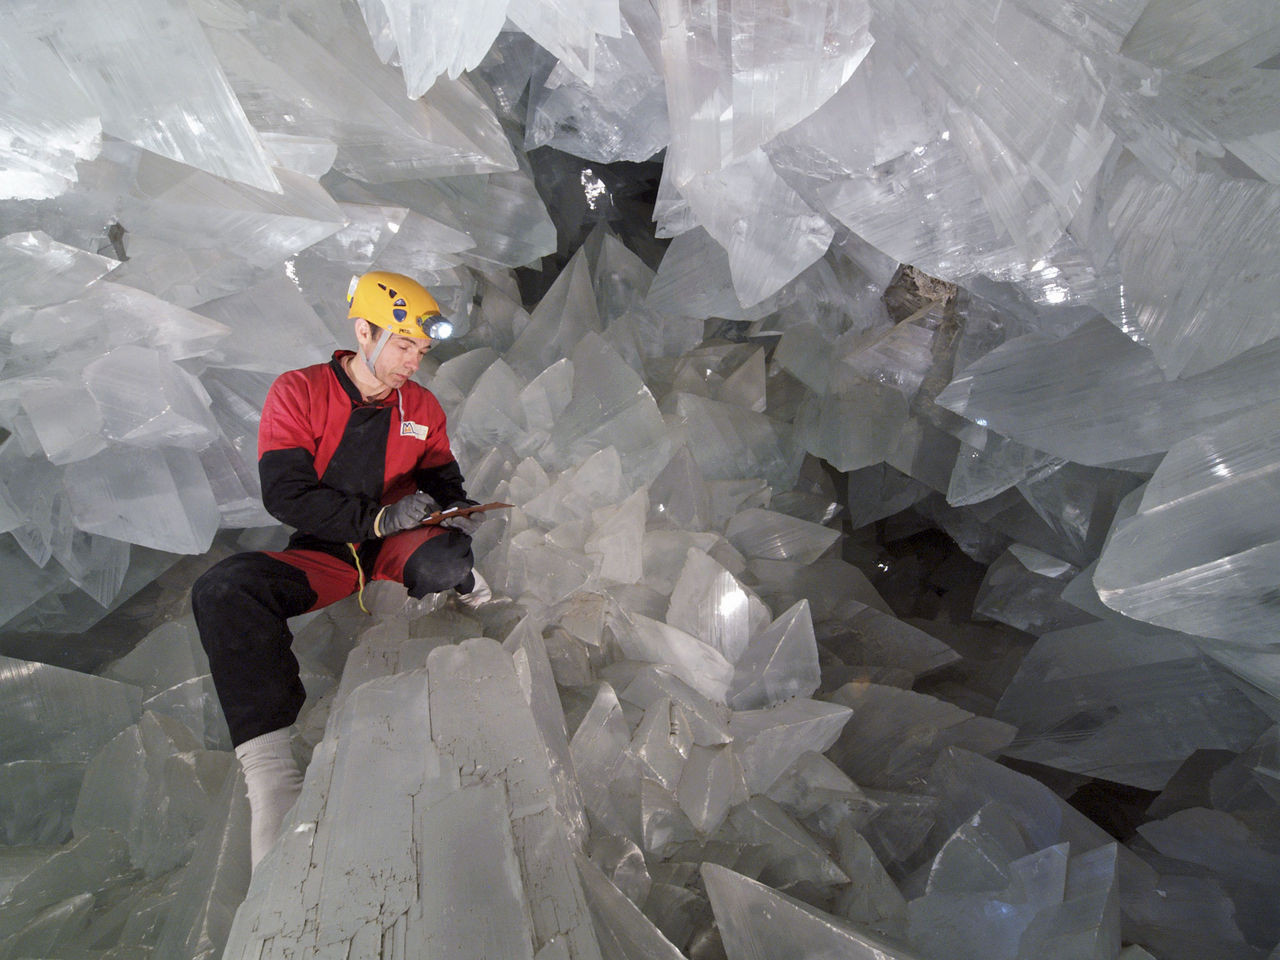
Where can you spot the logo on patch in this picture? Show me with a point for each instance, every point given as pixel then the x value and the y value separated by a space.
pixel 416 430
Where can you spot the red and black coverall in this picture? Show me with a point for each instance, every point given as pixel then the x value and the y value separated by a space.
pixel 328 461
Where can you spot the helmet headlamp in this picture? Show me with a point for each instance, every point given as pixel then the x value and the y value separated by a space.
pixel 440 329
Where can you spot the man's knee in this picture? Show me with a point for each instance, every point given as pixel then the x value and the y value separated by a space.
pixel 248 595
pixel 440 563
pixel 222 584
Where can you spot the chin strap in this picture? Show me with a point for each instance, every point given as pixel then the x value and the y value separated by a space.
pixel 377 351
pixel 370 361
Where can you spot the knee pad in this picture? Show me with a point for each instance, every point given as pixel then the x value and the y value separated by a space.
pixel 440 563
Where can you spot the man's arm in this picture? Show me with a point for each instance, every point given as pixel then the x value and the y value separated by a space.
pixel 293 494
pixel 444 483
pixel 292 491
pixel 438 472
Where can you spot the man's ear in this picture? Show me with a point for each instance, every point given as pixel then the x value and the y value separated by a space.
pixel 362 331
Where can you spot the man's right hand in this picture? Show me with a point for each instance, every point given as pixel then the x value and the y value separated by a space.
pixel 404 514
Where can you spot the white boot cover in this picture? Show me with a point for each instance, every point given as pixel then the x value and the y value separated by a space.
pixel 274 782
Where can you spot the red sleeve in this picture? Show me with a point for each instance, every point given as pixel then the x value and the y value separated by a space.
pixel 286 424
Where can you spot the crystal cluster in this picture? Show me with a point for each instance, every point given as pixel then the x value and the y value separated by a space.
pixel 886 396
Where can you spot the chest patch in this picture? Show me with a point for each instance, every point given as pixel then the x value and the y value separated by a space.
pixel 416 430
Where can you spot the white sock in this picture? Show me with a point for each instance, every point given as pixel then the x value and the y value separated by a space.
pixel 273 781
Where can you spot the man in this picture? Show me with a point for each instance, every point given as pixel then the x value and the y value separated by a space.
pixel 353 454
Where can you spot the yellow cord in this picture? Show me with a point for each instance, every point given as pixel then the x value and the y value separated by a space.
pixel 360 574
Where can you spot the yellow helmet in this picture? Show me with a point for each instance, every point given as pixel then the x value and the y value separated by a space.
pixel 394 302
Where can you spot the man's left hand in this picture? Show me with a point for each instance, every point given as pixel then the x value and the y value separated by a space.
pixel 467 524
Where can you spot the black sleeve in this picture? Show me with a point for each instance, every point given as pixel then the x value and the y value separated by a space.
pixel 294 494
pixel 444 483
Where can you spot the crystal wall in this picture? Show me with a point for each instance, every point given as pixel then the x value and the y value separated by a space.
pixel 887 394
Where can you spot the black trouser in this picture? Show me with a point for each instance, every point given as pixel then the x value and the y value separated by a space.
pixel 243 603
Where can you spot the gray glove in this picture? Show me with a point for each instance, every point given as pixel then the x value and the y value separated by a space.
pixel 404 514
pixel 467 525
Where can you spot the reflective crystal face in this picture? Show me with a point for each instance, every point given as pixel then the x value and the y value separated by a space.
pixel 884 393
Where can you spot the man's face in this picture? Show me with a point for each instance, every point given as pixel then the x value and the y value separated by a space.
pixel 399 359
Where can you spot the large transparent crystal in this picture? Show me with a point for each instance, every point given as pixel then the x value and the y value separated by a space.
pixel 768 741
pixel 711 782
pixel 1191 35
pixel 873 751
pixel 146 401
pixel 37 799
pixel 755 216
pixel 1035 96
pixel 314 73
pixel 568 30
pixel 109 314
pixel 623 931
pixel 1096 397
pixel 155 786
pixel 534 671
pixel 201 237
pixel 491 414
pixel 622 115
pixel 563 317
pixel 989 467
pixel 49 122
pixel 1228 846
pixel 611 406
pixel 1220 306
pixel 39 881
pixel 1137 701
pixel 855 428
pixel 776 536
pixel 151 75
pixel 779 662
pixel 62 439
pixel 866 635
pixel 600 758
pixel 155 498
pixel 709 602
pixel 1023 588
pixel 755 920
pixel 694 661
pixel 753 67
pixel 694 280
pixel 966 782
pixel 215 882
pixel 433 39
pixel 269 320
pixel 36 269
pixel 1200 552
pixel 55 714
